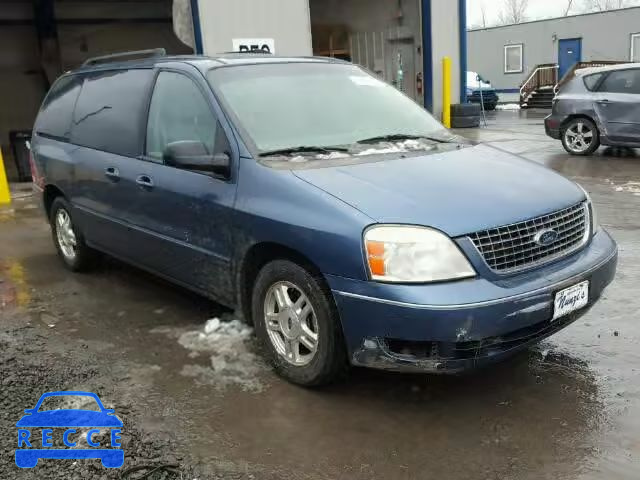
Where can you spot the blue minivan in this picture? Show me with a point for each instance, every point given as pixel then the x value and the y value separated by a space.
pixel 338 216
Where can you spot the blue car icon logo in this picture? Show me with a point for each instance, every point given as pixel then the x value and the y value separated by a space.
pixel 35 432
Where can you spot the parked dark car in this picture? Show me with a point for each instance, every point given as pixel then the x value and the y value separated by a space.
pixel 599 106
pixel 480 91
pixel 335 213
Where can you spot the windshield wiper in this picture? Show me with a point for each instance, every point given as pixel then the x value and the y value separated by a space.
pixel 402 136
pixel 303 149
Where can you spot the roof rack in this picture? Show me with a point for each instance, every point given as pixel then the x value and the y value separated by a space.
pixel 154 52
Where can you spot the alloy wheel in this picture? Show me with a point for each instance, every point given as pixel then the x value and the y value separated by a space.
pixel 64 233
pixel 291 323
pixel 579 137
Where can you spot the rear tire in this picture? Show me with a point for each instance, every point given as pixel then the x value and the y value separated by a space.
pixel 297 323
pixel 68 239
pixel 580 136
pixel 465 122
pixel 465 110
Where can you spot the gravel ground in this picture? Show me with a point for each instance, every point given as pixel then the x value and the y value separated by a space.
pixel 29 368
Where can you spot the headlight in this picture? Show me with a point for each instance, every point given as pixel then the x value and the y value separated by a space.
pixel 469 92
pixel 592 211
pixel 407 254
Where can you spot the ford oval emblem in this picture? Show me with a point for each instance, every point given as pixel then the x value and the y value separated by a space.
pixel 545 237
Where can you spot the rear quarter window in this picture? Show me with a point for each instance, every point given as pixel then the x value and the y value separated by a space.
pixel 591 81
pixel 622 81
pixel 109 114
pixel 55 115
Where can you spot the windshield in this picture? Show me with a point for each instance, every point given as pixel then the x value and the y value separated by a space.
pixel 290 105
pixel 66 402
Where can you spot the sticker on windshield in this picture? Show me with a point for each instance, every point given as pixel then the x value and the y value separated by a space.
pixel 365 81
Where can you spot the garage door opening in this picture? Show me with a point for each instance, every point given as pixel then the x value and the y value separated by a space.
pixel 40 39
pixel 383 36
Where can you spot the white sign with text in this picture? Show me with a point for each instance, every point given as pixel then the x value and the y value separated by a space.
pixel 262 45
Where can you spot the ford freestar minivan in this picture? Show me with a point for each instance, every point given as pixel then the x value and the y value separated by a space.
pixel 344 222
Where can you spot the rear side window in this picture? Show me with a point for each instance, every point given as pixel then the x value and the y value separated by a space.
pixel 622 81
pixel 110 110
pixel 54 119
pixel 591 81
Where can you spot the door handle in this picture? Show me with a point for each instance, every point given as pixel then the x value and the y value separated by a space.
pixel 145 181
pixel 604 102
pixel 112 174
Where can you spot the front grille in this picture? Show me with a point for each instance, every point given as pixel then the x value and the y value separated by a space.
pixel 512 248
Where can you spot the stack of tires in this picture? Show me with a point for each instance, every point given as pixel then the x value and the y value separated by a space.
pixel 465 115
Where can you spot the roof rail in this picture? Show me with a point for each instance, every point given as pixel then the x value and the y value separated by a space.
pixel 154 52
pixel 246 52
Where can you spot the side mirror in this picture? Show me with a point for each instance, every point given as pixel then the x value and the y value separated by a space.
pixel 193 155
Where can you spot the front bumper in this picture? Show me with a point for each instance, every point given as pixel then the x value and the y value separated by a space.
pixel 454 326
pixel 489 97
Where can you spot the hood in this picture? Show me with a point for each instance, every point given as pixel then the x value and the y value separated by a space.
pixel 458 192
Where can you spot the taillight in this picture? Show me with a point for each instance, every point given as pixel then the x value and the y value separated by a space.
pixel 35 176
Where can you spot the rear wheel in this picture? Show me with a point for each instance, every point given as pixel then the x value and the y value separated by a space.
pixel 68 239
pixel 580 136
pixel 298 325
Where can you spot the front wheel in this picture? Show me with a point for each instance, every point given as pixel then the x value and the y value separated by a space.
pixel 580 137
pixel 298 325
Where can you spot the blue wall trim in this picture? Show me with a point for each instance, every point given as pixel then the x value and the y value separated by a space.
pixel 427 55
pixel 197 31
pixel 462 17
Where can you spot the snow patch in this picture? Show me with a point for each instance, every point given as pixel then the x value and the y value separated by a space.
pixel 232 360
pixel 508 106
pixel 629 187
pixel 397 147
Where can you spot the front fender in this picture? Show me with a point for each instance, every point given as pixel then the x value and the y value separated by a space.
pixel 274 206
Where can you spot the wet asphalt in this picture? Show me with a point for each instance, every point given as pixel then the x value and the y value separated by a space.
pixel 566 409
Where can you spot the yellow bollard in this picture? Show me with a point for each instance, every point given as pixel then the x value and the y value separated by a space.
pixel 5 194
pixel 446 92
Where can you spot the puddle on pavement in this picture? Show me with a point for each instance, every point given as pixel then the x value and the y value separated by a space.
pixel 14 291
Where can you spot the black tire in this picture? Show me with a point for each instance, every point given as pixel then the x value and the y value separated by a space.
pixel 84 257
pixel 465 122
pixel 588 124
pixel 465 110
pixel 490 107
pixel 330 360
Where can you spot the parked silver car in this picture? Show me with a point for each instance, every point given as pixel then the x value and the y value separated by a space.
pixel 599 106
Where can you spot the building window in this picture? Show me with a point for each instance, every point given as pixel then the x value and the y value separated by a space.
pixel 635 47
pixel 513 58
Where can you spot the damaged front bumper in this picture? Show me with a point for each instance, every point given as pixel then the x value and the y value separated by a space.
pixel 456 326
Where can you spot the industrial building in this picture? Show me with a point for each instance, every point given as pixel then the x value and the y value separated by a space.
pixel 510 55
pixel 402 41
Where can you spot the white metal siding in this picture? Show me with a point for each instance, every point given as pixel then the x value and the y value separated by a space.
pixel 445 35
pixel 286 21
pixel 605 36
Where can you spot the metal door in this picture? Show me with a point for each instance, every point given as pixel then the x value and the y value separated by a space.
pixel 618 105
pixel 569 53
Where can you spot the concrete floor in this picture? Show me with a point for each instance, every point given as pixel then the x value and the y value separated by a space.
pixel 568 409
